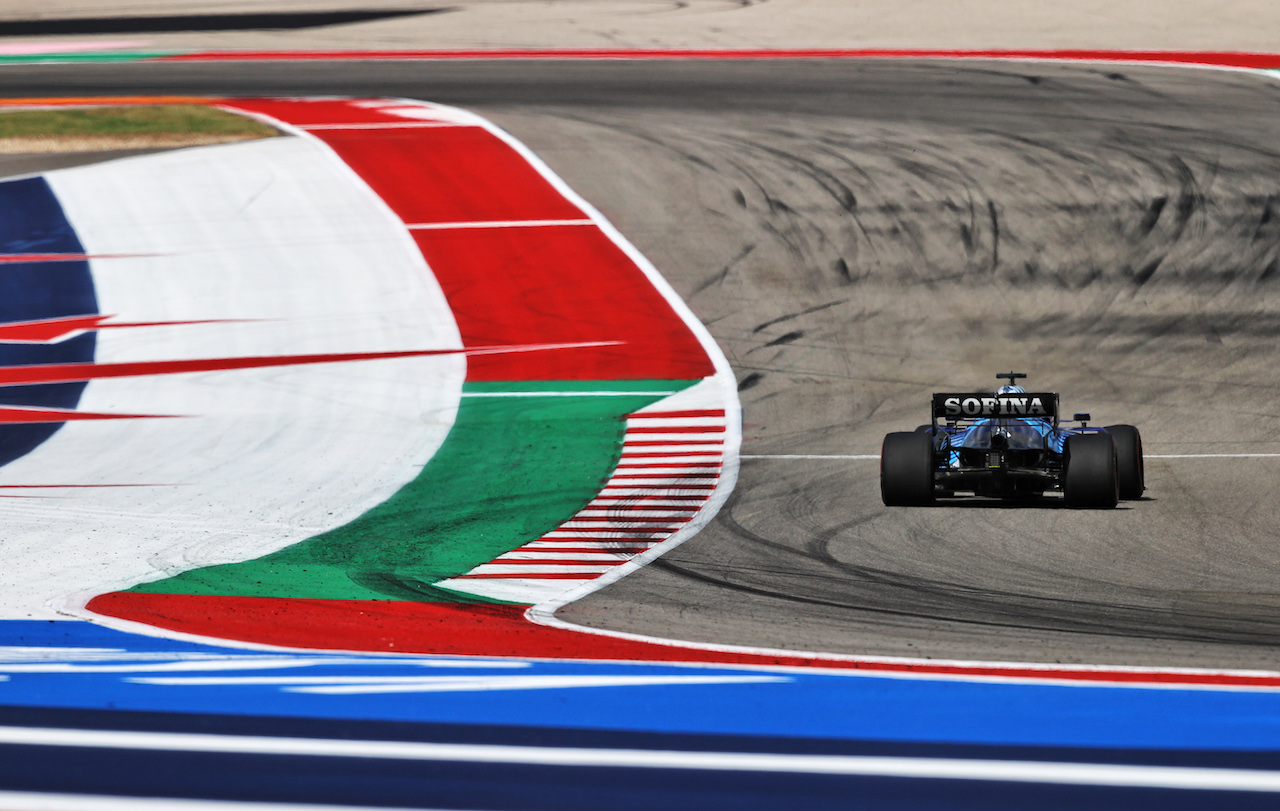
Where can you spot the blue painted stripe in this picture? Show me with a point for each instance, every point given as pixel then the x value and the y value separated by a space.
pixel 150 675
pixel 354 729
pixel 32 221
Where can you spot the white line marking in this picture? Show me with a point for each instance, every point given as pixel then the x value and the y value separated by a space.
pixel 1145 456
pixel 712 446
pixel 355 685
pixel 35 801
pixel 807 456
pixel 447 226
pixel 645 490
pixel 72 665
pixel 1211 456
pixel 534 683
pixel 564 393
pixel 1087 774
pixel 622 520
pixel 544 554
pixel 587 541
pixel 611 547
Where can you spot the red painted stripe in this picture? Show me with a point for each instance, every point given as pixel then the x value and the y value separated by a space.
pixel 616 517
pixel 534 576
pixel 644 499
pixel 490 630
pixel 621 512
pixel 624 523
pixel 455 174
pixel 630 550
pixel 692 442
pixel 1242 59
pixel 48 330
pixel 672 415
pixel 668 464
pixel 381 125
pixel 649 501
pixel 671 477
pixel 659 487
pixel 551 562
pixel 681 518
pixel 675 429
pixel 636 539
pixel 655 455
pixel 73 372
pixel 542 283
pixel 574 284
pixel 15 415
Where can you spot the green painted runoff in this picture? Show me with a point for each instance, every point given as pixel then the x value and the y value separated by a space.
pixel 511 469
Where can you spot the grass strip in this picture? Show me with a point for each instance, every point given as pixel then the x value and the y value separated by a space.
pixel 130 120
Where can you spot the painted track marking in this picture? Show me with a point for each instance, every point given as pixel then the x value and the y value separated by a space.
pixel 1086 774
pixel 1224 60
pixel 39 801
pixel 750 456
pixel 440 226
pixel 382 125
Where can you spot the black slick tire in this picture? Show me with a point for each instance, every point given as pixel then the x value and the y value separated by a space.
pixel 1090 481
pixel 1129 467
pixel 906 470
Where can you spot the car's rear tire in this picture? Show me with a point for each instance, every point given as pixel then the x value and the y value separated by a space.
pixel 1129 467
pixel 1090 481
pixel 906 470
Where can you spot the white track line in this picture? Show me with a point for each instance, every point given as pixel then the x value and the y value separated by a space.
pixel 1087 774
pixel 1211 456
pixel 565 393
pixel 33 801
pixel 748 456
pixel 807 456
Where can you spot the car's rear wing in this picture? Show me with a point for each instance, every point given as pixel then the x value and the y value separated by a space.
pixel 957 406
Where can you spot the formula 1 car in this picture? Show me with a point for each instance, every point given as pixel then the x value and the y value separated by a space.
pixel 1010 444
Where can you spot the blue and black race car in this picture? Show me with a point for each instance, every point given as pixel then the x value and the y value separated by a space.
pixel 1010 443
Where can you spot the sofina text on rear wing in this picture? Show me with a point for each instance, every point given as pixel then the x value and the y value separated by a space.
pixel 977 406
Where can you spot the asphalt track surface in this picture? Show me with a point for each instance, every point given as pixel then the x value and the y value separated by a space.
pixel 857 235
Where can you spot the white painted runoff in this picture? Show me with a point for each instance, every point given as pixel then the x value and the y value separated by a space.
pixel 295 255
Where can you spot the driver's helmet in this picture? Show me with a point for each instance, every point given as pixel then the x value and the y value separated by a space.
pixel 1011 390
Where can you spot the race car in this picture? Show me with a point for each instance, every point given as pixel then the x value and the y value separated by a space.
pixel 1010 444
